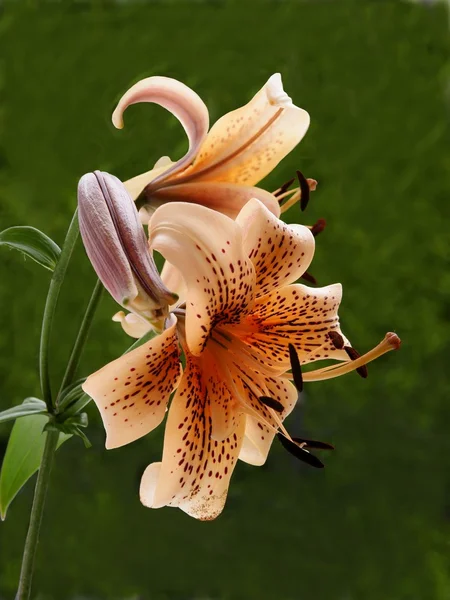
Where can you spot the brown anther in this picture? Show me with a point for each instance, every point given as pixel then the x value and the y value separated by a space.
pixel 271 403
pixel 318 227
pixel 304 189
pixel 296 368
pixel 353 355
pixel 309 278
pixel 284 187
pixel 393 340
pixel 336 339
pixel 300 453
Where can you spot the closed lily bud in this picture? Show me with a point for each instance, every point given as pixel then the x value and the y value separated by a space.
pixel 117 247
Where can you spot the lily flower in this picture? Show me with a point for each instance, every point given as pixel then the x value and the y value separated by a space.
pixel 117 248
pixel 244 324
pixel 222 166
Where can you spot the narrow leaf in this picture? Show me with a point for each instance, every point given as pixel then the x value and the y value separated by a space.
pixel 33 243
pixel 23 457
pixel 31 406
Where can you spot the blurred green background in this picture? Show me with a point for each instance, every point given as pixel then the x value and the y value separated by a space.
pixel 374 76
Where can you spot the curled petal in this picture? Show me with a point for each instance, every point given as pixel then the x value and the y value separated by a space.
pixel 227 198
pixel 132 392
pixel 178 99
pixel 280 253
pixel 195 471
pixel 206 247
pixel 246 144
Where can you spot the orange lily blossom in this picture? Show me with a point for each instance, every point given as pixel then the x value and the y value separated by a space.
pixel 243 325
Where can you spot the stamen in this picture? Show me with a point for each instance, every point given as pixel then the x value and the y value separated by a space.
pixel 390 342
pixel 336 339
pixel 353 355
pixel 284 187
pixel 300 452
pixel 304 189
pixel 318 227
pixel 296 368
pixel 312 444
pixel 309 278
pixel 271 403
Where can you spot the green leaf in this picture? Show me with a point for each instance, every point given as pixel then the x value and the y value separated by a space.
pixel 23 457
pixel 30 406
pixel 33 243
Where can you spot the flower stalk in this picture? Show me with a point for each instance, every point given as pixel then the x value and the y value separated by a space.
pixel 40 493
pixel 50 306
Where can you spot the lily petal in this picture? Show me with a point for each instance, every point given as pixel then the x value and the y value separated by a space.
pixel 174 281
pixel 206 247
pixel 195 471
pixel 280 253
pixel 226 410
pixel 227 198
pixel 258 437
pixel 246 144
pixel 132 392
pixel 135 185
pixel 133 325
pixel 181 101
pixel 298 315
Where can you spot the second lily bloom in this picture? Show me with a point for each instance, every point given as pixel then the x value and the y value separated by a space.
pixel 223 165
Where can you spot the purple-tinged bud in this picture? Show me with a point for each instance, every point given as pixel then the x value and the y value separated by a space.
pixel 117 247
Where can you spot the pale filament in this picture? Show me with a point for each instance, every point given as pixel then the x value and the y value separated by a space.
pixel 390 342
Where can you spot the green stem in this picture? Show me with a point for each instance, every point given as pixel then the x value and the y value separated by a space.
pixel 83 333
pixel 40 492
pixel 49 311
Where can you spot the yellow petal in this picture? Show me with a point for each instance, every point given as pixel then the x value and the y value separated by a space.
pixel 246 144
pixel 195 471
pixel 133 325
pixel 132 392
pixel 206 247
pixel 178 99
pixel 135 185
pixel 227 198
pixel 280 253
pixel 298 315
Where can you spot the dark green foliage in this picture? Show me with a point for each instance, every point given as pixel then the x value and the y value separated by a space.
pixel 373 525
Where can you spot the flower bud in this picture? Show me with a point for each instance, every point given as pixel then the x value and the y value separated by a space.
pixel 117 247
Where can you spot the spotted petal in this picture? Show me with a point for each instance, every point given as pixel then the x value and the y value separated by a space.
pixel 181 101
pixel 258 436
pixel 299 315
pixel 280 253
pixel 195 471
pixel 206 247
pixel 246 144
pixel 132 392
